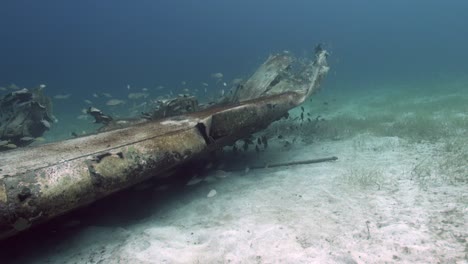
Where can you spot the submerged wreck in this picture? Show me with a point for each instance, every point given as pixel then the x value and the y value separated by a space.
pixel 42 182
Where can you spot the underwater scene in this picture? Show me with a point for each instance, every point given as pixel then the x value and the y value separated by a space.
pixel 246 131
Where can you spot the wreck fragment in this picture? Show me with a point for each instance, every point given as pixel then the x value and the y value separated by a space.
pixel 45 181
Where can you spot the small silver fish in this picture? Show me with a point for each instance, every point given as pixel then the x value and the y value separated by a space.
pixel 217 75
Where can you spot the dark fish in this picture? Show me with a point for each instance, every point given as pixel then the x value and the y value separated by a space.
pixel 234 149
pixel 280 136
pixel 265 142
pixel 259 141
pixel 246 146
pixel 257 149
pixel 318 48
pixel 302 108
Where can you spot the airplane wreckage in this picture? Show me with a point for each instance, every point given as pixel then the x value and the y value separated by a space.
pixel 41 182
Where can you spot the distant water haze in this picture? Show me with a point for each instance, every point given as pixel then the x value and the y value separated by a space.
pixel 83 46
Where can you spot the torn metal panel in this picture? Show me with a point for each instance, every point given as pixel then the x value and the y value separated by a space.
pixel 275 76
pixel 264 79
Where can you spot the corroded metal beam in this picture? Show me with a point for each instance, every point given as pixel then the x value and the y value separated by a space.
pixel 43 182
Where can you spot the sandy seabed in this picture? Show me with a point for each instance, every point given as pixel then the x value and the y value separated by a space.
pixel 319 213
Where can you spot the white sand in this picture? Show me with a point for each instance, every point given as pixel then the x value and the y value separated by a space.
pixel 302 214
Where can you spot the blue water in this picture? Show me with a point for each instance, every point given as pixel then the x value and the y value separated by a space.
pixel 81 47
pixel 84 46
